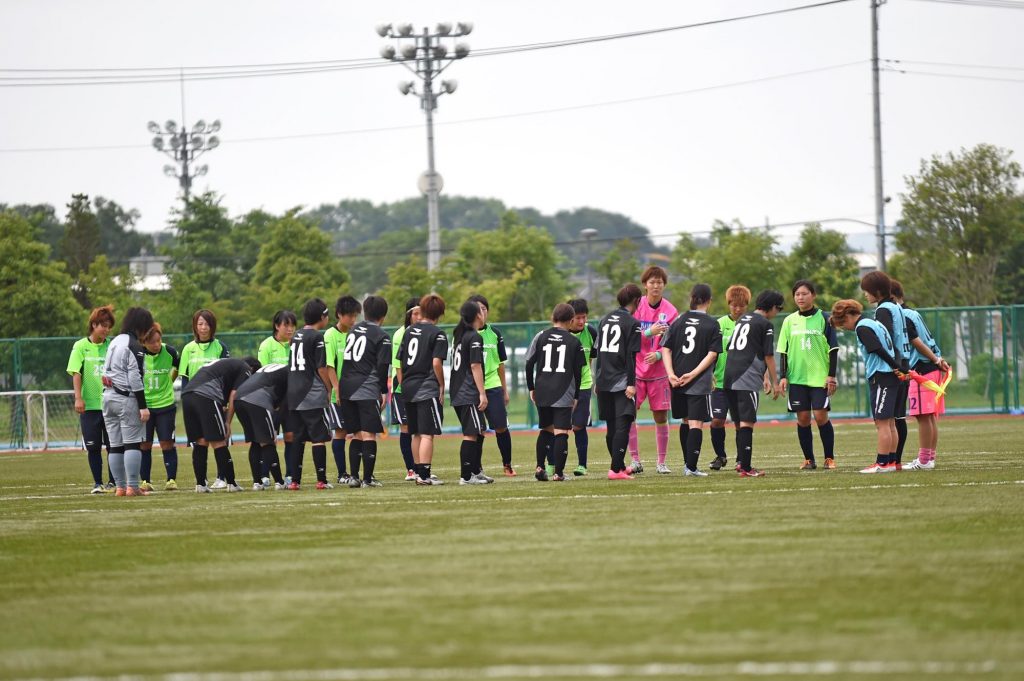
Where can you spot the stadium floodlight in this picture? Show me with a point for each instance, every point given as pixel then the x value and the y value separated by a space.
pixel 201 170
pixel 170 171
pixel 449 86
pixel 461 50
pixel 215 126
pixel 465 27
pixel 409 51
pixel 171 127
pixel 406 87
pixel 158 143
pixel 444 28
pixel 213 142
pixel 153 127
pixel 196 141
pixel 199 126
pixel 175 142
pixel 387 51
pixel 184 144
pixel 405 30
pixel 440 51
pixel 383 30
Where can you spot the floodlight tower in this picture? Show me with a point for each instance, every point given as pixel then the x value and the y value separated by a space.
pixel 426 55
pixel 185 147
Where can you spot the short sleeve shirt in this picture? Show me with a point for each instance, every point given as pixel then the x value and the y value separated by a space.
pixel 86 359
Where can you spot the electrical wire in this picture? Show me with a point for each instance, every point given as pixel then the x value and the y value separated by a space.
pixel 998 4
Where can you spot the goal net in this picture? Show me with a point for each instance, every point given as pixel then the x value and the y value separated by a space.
pixel 38 420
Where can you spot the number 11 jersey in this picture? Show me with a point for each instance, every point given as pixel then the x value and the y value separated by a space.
pixel 557 357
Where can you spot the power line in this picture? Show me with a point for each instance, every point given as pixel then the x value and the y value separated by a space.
pixel 994 67
pixel 962 76
pixel 479 119
pixel 998 4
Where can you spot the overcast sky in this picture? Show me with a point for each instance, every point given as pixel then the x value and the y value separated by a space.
pixel 696 140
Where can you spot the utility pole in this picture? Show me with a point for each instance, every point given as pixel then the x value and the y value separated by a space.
pixel 877 106
pixel 426 56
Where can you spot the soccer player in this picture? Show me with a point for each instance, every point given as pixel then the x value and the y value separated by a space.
pixel 124 401
pixel 274 349
pixel 554 369
pixel 618 337
pixel 257 403
pixel 347 310
pixel 197 353
pixel 655 314
pixel 208 405
pixel 587 336
pixel 161 369
pixel 738 298
pixel 692 344
pixel 309 393
pixel 363 385
pixel 881 367
pixel 877 288
pixel 923 404
pixel 495 357
pixel 424 348
pixel 86 368
pixel 468 395
pixel 751 349
pixel 412 315
pixel 808 355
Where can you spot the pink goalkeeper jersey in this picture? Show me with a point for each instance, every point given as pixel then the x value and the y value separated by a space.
pixel 665 313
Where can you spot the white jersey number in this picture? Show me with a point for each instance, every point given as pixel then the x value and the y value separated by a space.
pixel 298 359
pixel 457 357
pixel 549 350
pixel 411 350
pixel 355 347
pixel 610 337
pixel 739 337
pixel 691 340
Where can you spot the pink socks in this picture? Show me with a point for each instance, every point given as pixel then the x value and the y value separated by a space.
pixel 634 447
pixel 661 433
pixel 925 455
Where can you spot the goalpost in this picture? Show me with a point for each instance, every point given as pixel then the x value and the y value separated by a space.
pixel 39 420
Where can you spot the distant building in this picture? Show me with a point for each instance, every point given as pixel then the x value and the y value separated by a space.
pixel 150 272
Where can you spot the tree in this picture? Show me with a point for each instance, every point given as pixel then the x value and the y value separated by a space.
pixel 81 241
pixel 119 239
pixel 102 284
pixel 620 265
pixel 962 222
pixel 42 216
pixel 406 279
pixel 823 257
pixel 739 256
pixel 684 265
pixel 35 292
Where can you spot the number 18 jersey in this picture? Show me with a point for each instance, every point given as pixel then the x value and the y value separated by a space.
pixel 751 342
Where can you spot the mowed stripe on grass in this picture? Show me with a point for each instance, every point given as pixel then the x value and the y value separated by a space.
pixel 540 580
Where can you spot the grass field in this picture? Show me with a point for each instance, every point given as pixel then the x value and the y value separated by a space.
pixel 798 574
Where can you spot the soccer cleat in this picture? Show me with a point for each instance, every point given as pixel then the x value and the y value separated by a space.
pixel 120 492
pixel 432 480
pixel 98 489
pixel 258 487
pixel 345 479
pixel 892 467
pixel 434 477
pixel 808 465
pixel 171 486
pixel 473 480
pixel 323 484
pixel 410 475
pixel 752 473
pixel 635 468
pixel 912 465
pixel 146 486
pixel 219 484
pixel 662 469
pixel 930 466
pixel 293 486
pixel 510 472
pixel 830 464
pixel 372 483
pixel 718 464
pixel 483 478
pixel 234 487
pixel 136 492
pixel 202 489
pixel 558 478
pixel 879 468
pixel 580 470
pixel 278 486
pixel 695 473
pixel 621 475
pixel 549 469
pixel 111 486
pixel 355 483
pixel 897 466
pixel 265 482
pixel 541 474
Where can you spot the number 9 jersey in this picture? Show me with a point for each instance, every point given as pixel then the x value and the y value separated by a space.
pixel 752 340
pixel 422 344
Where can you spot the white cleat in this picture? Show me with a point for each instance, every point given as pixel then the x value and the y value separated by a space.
pixel 410 475
pixel 278 486
pixel 202 489
pixel 693 474
pixel 266 483
pixel 930 466
pixel 258 487
pixel 473 480
pixel 913 465
pixel 485 480
pixel 219 484
pixel 236 488
pixel 662 469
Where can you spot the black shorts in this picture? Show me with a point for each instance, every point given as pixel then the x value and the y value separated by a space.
pixel 161 423
pixel 690 407
pixel 902 395
pixel 719 404
pixel 257 422
pixel 559 418
pixel 425 417
pixel 335 419
pixel 743 405
pixel 204 418
pixel 398 417
pixel 362 416
pixel 311 425
pixel 612 405
pixel 497 412
pixel 806 398
pixel 94 431
pixel 885 388
pixel 472 420
pixel 581 413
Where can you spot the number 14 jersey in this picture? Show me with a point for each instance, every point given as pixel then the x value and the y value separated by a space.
pixel 307 355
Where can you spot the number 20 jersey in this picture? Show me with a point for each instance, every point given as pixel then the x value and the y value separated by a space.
pixel 690 339
pixel 366 359
pixel 751 342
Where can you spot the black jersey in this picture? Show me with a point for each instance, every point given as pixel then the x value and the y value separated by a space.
pixel 751 342
pixel 421 345
pixel 217 379
pixel 468 351
pixel 266 388
pixel 306 390
pixel 618 341
pixel 556 357
pixel 690 338
pixel 365 365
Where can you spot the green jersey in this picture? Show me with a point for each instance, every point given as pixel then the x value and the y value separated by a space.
pixel 273 351
pixel 586 337
pixel 806 340
pixel 396 361
pixel 494 355
pixel 157 379
pixel 196 355
pixel 334 346
pixel 726 324
pixel 87 360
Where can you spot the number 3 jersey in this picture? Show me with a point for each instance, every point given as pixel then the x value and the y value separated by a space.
pixel 556 357
pixel 690 339
pixel 421 345
pixel 751 342
pixel 365 365
pixel 305 388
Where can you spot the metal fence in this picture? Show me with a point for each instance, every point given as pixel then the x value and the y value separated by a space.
pixel 984 345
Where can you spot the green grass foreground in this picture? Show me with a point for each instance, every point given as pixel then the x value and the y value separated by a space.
pixel 798 574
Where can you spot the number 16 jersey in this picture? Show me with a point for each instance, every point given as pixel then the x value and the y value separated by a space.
pixel 751 342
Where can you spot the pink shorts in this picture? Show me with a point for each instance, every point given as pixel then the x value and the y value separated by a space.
pixel 922 401
pixel 656 392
